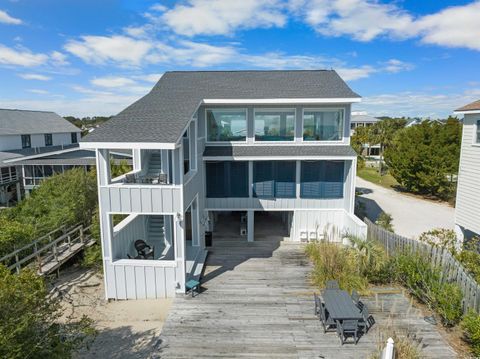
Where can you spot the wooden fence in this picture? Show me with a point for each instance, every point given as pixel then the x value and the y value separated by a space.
pixel 452 270
pixel 49 252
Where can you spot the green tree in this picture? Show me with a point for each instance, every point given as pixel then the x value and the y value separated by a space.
pixel 383 134
pixel 31 325
pixel 424 158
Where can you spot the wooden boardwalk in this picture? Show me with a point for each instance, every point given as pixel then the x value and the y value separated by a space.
pixel 257 303
pixel 48 253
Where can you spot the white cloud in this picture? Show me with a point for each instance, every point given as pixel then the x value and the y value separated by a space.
pixel 394 66
pixel 457 26
pixel 365 20
pixel 223 17
pixel 153 78
pixel 58 58
pixel 112 81
pixel 21 57
pixel 35 77
pixel 38 91
pixel 416 104
pixel 7 19
pixel 122 50
pixel 351 74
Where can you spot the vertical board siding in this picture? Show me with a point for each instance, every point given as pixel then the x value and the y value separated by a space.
pixel 468 189
pixel 272 204
pixel 452 270
pixel 125 233
pixel 130 281
pixel 137 199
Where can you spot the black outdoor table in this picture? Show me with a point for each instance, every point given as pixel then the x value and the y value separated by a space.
pixel 340 305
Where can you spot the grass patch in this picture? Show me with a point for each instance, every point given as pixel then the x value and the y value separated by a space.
pixel 371 174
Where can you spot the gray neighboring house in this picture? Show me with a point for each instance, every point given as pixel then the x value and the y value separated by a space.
pixel 35 145
pixel 362 119
pixel 467 209
pixel 253 144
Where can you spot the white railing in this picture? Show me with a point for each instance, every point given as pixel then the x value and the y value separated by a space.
pixel 389 350
pixel 354 226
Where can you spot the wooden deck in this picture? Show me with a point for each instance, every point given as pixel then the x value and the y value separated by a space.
pixel 257 303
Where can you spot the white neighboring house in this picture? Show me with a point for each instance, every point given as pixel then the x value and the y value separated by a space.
pixel 362 119
pixel 35 145
pixel 467 211
pixel 250 143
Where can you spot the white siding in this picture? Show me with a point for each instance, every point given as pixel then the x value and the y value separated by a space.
pixel 467 213
pixel 14 142
pixel 141 199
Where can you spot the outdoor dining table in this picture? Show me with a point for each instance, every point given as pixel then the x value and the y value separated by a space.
pixel 340 305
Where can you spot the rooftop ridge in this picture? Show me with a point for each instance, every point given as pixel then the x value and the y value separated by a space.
pixel 17 109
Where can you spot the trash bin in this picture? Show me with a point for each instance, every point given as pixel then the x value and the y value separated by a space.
pixel 208 239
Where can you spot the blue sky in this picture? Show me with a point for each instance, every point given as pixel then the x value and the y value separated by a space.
pixel 406 58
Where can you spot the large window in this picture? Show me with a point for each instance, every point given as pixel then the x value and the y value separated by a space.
pixel 274 125
pixel 186 152
pixel 227 179
pixel 478 131
pixel 326 125
pixel 274 179
pixel 74 137
pixel 322 179
pixel 26 141
pixel 48 139
pixel 226 125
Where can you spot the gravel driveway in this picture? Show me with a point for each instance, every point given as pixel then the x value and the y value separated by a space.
pixel 411 215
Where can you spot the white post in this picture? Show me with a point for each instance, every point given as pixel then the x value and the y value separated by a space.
pixel 19 191
pixel 297 178
pixel 389 349
pixel 250 226
pixel 250 179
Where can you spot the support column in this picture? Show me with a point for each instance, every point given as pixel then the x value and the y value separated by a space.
pixel 298 168
pixel 250 226
pixel 250 179
pixel 179 224
pixel 137 159
pixel 19 192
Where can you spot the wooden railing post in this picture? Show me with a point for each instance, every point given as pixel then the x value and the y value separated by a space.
pixel 69 241
pixel 82 236
pixel 55 254
pixel 37 256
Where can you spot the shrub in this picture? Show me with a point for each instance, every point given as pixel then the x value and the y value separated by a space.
pixel 471 262
pixel 423 281
pixel 440 237
pixel 471 326
pixel 30 327
pixel 384 220
pixel 335 262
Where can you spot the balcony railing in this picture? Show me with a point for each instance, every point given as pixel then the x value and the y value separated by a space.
pixel 139 178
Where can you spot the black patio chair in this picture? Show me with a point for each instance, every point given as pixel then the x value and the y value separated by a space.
pixel 143 249
pixel 332 284
pixel 368 320
pixel 325 318
pixel 349 328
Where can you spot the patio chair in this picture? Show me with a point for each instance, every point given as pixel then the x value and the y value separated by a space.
pixel 360 305
pixel 349 328
pixel 332 284
pixel 162 178
pixel 143 249
pixel 130 178
pixel 325 318
pixel 367 321
pixel 318 304
pixel 355 296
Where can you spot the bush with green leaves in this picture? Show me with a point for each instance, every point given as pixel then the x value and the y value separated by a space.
pixel 441 238
pixel 30 325
pixel 385 220
pixel 423 281
pixel 471 326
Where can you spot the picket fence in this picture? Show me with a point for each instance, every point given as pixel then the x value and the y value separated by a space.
pixel 452 270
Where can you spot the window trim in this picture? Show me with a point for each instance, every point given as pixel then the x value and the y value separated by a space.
pixel 273 109
pixel 329 109
pixel 228 109
pixel 76 137
pixel 476 133
pixel 45 138
pixel 29 141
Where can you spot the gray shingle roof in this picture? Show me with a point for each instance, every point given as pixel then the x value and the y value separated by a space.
pixel 272 151
pixel 162 115
pixel 363 118
pixel 24 122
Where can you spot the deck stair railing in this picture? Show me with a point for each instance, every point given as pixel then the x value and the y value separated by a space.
pixel 50 251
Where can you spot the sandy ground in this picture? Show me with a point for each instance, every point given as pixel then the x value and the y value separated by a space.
pixel 126 329
pixel 411 215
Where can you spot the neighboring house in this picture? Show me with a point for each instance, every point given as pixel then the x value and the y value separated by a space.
pixel 467 208
pixel 34 145
pixel 362 119
pixel 251 143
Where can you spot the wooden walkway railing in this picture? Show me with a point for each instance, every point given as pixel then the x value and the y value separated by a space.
pixel 452 270
pixel 49 252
